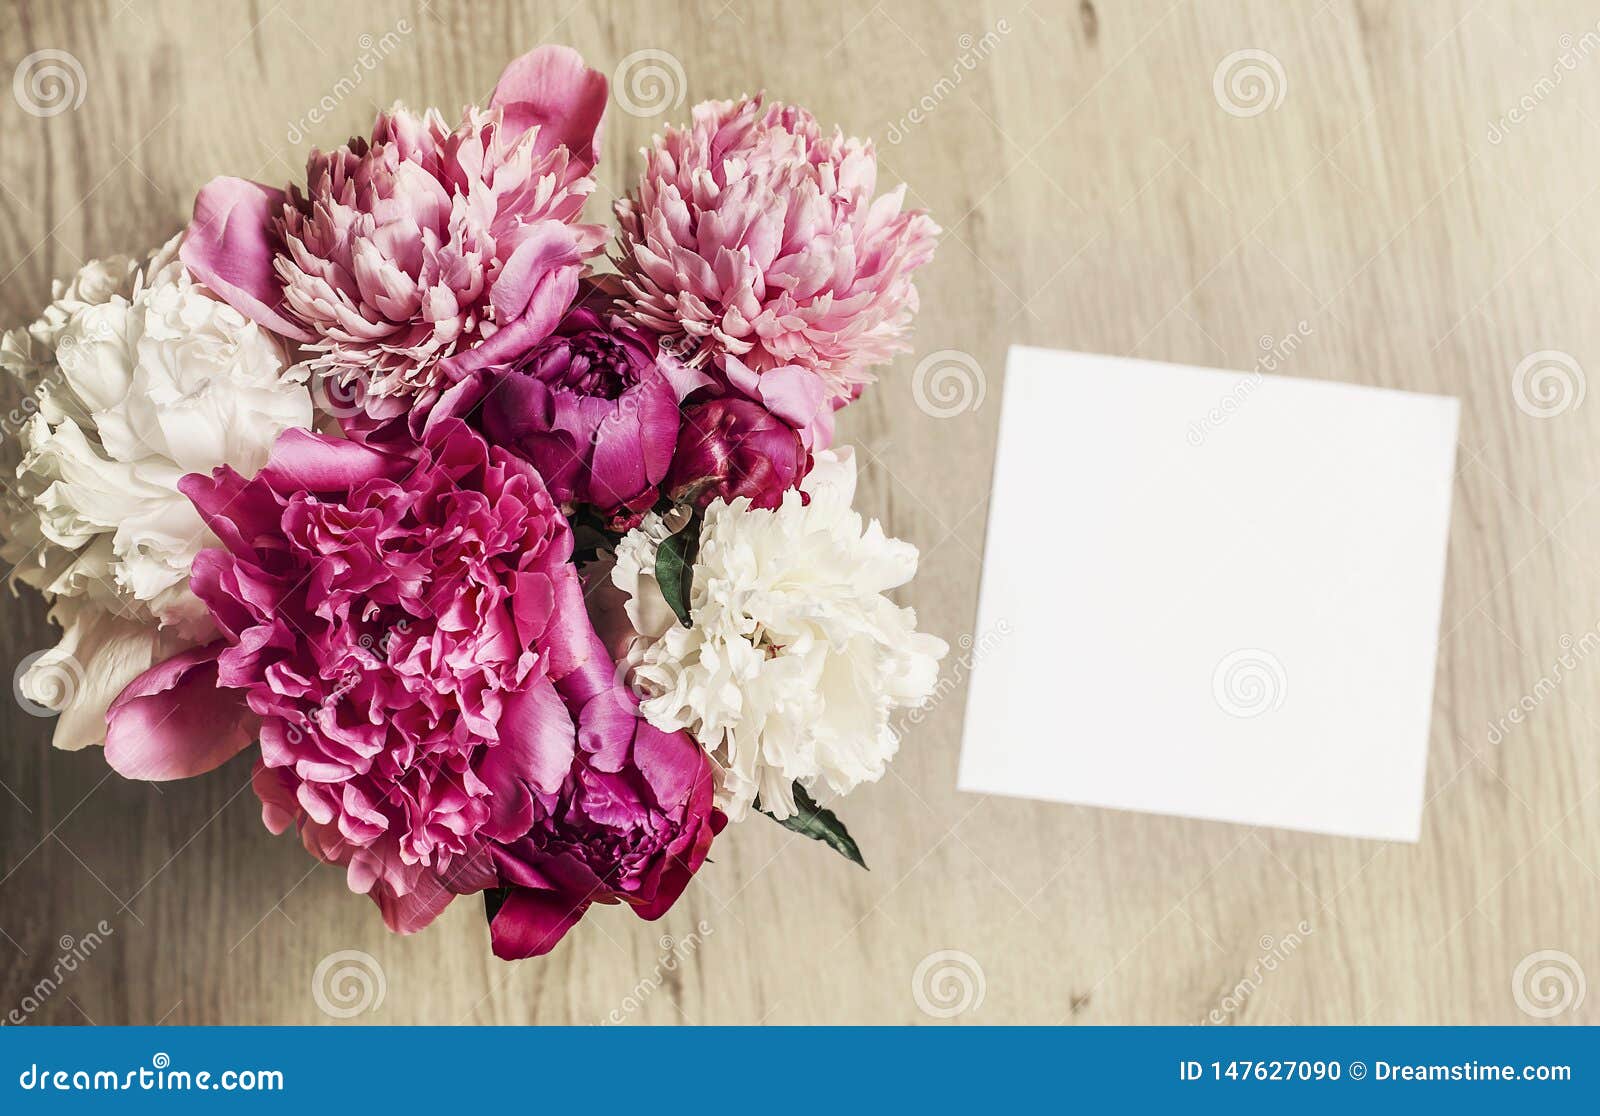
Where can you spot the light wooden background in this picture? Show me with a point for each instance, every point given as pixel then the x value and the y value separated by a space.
pixel 1096 195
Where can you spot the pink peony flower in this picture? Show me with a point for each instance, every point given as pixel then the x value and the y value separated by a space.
pixel 416 256
pixel 396 625
pixel 752 234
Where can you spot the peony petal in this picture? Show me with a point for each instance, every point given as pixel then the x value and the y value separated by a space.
pixel 681 867
pixel 229 506
pixel 531 923
pixel 550 88
pixel 671 762
pixel 607 728
pixel 577 660
pixel 547 299
pixel 99 654
pixel 230 247
pixel 549 251
pixel 406 914
pixel 173 721
pixel 303 461
pixel 536 743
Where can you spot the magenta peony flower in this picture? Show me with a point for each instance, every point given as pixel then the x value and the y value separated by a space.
pixel 416 256
pixel 732 447
pixel 594 407
pixel 752 234
pixel 631 824
pixel 396 625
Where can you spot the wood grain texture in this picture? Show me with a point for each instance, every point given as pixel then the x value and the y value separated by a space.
pixel 1097 196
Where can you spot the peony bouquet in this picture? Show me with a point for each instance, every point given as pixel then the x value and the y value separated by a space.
pixel 521 566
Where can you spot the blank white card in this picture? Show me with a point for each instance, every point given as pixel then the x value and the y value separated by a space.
pixel 1211 594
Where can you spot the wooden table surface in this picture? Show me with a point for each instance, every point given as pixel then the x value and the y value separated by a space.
pixel 1417 183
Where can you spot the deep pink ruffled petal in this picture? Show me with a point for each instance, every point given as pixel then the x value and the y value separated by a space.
pixel 607 728
pixel 230 248
pixel 550 88
pixel 578 663
pixel 234 511
pixel 173 722
pixel 406 914
pixel 530 923
pixel 536 744
pixel 550 296
pixel 472 874
pixel 303 460
pixel 669 761
pixel 681 865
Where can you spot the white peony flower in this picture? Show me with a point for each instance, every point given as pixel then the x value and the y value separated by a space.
pixel 795 659
pixel 130 380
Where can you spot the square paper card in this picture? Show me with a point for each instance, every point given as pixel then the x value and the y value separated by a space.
pixel 1211 594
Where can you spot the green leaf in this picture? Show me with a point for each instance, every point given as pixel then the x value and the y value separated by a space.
pixel 820 825
pixel 675 569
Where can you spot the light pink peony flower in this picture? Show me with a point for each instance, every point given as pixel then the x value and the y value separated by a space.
pixel 753 234
pixel 425 252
